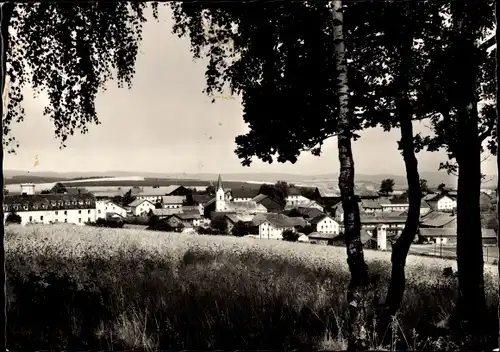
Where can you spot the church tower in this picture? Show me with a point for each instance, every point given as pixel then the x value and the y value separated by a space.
pixel 220 197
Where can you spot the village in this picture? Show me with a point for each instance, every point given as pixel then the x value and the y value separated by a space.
pixel 316 219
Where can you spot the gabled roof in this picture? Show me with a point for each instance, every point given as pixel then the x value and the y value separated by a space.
pixel 297 221
pixel 437 219
pixel 202 198
pixel 399 201
pixel 370 204
pixel 260 197
pixel 210 202
pixel 165 212
pixel 319 218
pixel 173 199
pixel 244 192
pixel 383 219
pixel 308 204
pixel 234 218
pixel 327 193
pixel 138 202
pixel 247 206
pixel 277 220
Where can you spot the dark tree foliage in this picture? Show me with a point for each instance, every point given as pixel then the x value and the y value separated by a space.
pixel 219 225
pixel 387 186
pixel 127 198
pixel 13 218
pixel 277 192
pixel 306 230
pixel 242 228
pixel 290 236
pixel 424 187
pixel 70 51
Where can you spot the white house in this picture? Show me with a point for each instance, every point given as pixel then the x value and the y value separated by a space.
pixel 295 197
pixel 50 208
pixel 172 202
pixel 325 224
pixel 442 202
pixel 104 207
pixel 272 226
pixel 141 207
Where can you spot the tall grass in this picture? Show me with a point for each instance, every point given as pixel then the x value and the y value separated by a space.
pixel 99 288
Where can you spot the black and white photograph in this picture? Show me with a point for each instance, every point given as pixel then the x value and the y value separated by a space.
pixel 254 175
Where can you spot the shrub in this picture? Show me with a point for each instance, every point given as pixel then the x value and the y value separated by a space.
pixel 290 236
pixel 13 218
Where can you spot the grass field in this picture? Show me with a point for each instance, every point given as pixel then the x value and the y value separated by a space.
pixel 97 288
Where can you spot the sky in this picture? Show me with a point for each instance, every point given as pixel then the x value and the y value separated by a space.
pixel 165 123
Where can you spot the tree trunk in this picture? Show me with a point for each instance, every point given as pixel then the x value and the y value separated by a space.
pixel 468 155
pixel 357 337
pixel 497 34
pixel 5 15
pixel 404 116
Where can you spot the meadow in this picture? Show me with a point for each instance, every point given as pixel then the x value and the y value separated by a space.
pixel 73 287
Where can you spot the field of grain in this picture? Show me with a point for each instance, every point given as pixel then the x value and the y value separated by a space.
pixel 99 288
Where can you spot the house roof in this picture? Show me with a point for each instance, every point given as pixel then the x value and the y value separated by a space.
pixel 370 204
pixel 202 198
pixel 244 193
pixel 50 201
pixel 297 221
pixel 210 202
pixel 366 193
pixel 188 216
pixel 308 204
pixel 365 237
pixel 305 212
pixel 191 208
pixel 399 201
pixel 382 219
pixel 437 219
pixel 294 191
pixel 164 212
pixel 449 232
pixel 247 206
pixel 384 201
pixel 138 202
pixel 260 197
pixel 318 218
pixel 278 220
pixel 327 193
pixel 322 236
pixel 173 199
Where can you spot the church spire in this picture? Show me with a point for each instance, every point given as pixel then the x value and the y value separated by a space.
pixel 219 184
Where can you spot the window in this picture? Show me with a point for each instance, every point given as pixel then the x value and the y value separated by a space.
pixel 57 220
pixel 88 219
pixel 57 212
pixel 41 218
pixel 65 212
pixel 31 218
pixel 89 211
pixel 65 220
pixel 99 211
pixel 79 219
pixel 79 211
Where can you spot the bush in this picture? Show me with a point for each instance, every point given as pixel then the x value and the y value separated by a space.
pixel 13 218
pixel 100 222
pixel 242 228
pixel 290 236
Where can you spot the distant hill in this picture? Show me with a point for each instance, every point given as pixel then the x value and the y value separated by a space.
pixel 433 178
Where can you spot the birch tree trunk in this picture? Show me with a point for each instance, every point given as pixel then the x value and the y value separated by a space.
pixel 357 335
pixel 6 9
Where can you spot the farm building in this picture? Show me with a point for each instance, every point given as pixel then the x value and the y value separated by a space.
pixel 306 213
pixel 441 202
pixel 295 197
pixel 271 204
pixel 325 224
pixel 448 236
pixel 105 207
pixel 311 204
pixel 437 219
pixel 172 202
pixel 272 226
pixel 50 208
pixel 141 207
